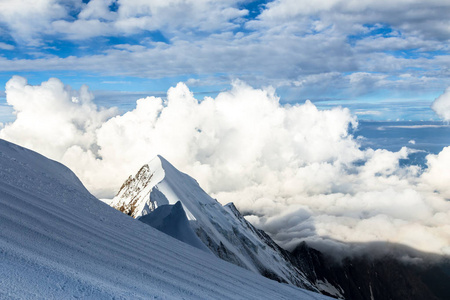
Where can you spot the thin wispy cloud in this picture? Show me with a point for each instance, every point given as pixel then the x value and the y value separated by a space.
pixel 412 126
pixel 307 50
pixel 5 46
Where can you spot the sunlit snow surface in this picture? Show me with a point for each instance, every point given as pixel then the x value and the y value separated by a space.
pixel 57 241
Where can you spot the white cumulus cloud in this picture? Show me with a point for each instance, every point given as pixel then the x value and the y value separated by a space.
pixel 442 105
pixel 294 169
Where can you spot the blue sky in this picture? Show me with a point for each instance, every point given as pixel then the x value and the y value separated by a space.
pixel 385 60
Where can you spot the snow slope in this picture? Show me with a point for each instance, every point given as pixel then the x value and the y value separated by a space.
pixel 57 242
pixel 221 228
pixel 172 220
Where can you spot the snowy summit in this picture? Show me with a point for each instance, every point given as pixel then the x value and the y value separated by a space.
pixel 158 186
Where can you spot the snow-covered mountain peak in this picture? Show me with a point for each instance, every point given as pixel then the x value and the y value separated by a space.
pixel 221 228
pixel 142 194
pixel 232 208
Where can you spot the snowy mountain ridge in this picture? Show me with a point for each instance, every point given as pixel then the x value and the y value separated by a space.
pixel 221 228
pixel 57 241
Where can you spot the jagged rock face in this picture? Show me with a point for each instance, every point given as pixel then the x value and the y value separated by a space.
pixel 377 278
pixel 221 228
pixel 130 199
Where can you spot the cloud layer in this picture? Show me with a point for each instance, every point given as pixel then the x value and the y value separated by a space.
pixel 295 170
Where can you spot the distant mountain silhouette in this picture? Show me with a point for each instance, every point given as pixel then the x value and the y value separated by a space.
pixel 390 271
